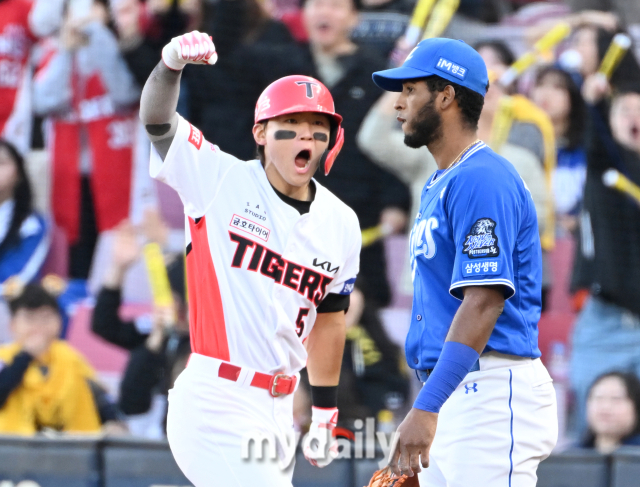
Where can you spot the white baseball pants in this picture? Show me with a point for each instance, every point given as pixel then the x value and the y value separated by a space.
pixel 210 418
pixel 496 427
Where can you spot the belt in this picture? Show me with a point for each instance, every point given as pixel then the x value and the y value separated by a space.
pixel 276 384
pixel 423 375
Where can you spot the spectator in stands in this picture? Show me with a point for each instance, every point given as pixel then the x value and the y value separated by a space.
pixel 627 13
pixel 45 383
pixel 558 95
pixel 254 50
pixel 377 196
pixel 21 23
pixel 381 23
pixel 157 356
pixel 606 334
pixel 145 27
pixel 372 377
pixel 613 412
pixel 521 132
pixel 24 234
pixel 588 46
pixel 90 98
pixel 497 56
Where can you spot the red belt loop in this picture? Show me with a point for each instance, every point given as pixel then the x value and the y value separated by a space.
pixel 229 372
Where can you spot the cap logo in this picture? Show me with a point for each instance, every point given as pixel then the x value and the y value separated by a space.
pixel 451 68
pixel 308 84
pixel 411 54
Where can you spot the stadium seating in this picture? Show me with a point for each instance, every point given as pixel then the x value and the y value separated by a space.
pixel 338 474
pixel 44 462
pixel 140 464
pixel 625 467
pixel 49 463
pixel 574 468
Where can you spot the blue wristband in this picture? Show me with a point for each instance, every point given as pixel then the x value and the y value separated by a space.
pixel 455 362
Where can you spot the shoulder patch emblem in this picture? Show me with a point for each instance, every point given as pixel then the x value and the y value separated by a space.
pixel 348 286
pixel 482 241
pixel 195 137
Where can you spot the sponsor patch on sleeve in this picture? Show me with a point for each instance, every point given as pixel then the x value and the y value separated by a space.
pixel 482 268
pixel 195 137
pixel 348 286
pixel 481 241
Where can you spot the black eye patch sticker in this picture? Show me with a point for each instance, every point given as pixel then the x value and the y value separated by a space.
pixel 158 128
pixel 320 136
pixel 285 134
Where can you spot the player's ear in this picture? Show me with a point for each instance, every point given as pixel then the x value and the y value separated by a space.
pixel 260 133
pixel 447 96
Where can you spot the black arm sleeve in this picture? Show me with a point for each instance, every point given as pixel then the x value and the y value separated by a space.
pixel 11 375
pixel 106 322
pixel 334 302
pixel 144 372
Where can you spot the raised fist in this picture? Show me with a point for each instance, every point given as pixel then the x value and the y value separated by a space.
pixel 194 47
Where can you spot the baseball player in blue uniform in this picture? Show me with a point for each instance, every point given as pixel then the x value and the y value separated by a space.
pixel 477 271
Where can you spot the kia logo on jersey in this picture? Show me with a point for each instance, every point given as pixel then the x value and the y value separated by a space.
pixel 321 265
pixel 307 282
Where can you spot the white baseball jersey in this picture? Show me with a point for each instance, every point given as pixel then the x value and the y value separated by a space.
pixel 256 268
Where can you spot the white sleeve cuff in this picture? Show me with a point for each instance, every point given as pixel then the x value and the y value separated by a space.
pixel 482 282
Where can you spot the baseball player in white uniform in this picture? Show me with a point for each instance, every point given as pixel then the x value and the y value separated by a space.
pixel 272 257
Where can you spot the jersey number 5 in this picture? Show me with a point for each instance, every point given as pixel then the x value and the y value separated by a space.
pixel 302 314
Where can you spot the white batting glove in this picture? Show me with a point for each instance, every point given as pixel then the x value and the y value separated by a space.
pixel 192 48
pixel 320 446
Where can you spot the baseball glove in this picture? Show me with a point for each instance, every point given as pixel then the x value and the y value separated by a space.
pixel 386 478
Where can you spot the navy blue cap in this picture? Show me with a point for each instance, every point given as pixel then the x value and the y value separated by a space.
pixel 452 60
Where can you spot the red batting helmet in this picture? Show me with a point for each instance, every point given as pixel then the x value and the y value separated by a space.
pixel 294 94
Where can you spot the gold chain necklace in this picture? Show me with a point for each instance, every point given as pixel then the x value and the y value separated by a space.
pixel 457 159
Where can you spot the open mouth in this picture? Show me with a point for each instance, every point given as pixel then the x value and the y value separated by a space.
pixel 323 27
pixel 635 131
pixel 302 159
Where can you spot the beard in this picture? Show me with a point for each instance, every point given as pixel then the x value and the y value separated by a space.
pixel 427 127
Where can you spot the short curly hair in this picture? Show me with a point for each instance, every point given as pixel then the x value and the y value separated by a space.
pixel 469 101
pixel 33 296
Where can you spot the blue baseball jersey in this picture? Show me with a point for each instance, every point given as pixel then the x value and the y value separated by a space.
pixel 477 226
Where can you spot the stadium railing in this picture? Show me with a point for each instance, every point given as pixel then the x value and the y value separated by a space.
pixel 84 462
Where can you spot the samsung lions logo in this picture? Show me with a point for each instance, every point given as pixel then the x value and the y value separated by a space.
pixel 481 240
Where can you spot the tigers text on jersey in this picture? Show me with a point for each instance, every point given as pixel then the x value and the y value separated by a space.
pixel 256 268
pixel 477 226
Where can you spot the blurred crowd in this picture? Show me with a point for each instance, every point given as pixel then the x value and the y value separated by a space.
pixel 78 209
